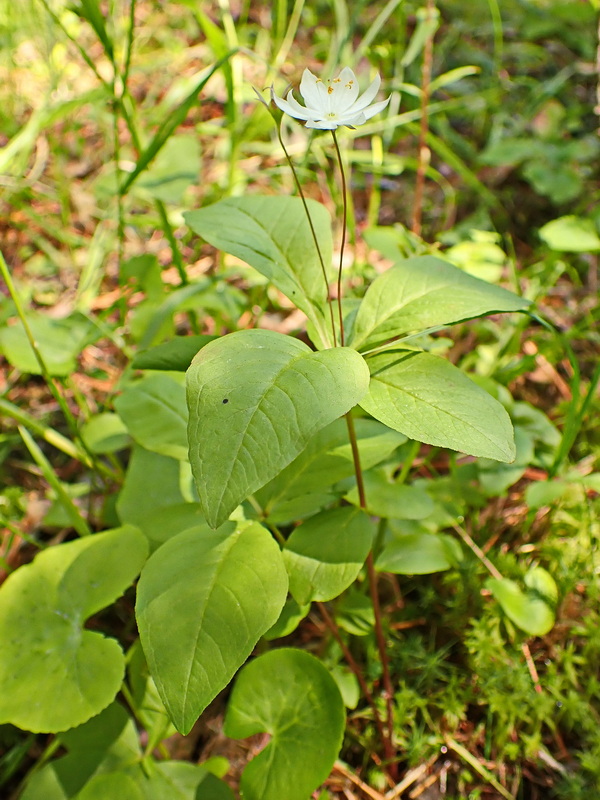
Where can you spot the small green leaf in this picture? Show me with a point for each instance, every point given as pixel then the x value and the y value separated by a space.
pixel 354 613
pixel 256 398
pixel 272 234
pixel 532 610
pixel 419 554
pixel 392 500
pixel 424 292
pixel 152 482
pixel 571 234
pixel 43 606
pixel 291 616
pixel 174 355
pixel 105 433
pixel 306 484
pixel 204 599
pixel 324 555
pixel 290 695
pixel 60 342
pixel 176 167
pixel 155 413
pixel 432 401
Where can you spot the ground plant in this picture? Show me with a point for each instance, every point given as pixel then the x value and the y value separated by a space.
pixel 300 437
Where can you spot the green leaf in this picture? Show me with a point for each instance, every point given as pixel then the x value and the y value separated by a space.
pixel 390 500
pixel 324 555
pixel 110 738
pixel 532 610
pixel 419 554
pixel 432 401
pixel 272 234
pixel 155 413
pixel 174 355
pixel 104 762
pixel 571 234
pixel 55 674
pixel 424 292
pixel 354 613
pixel 152 482
pixel 291 616
pixel 105 433
pixel 327 459
pixel 60 342
pixel 204 600
pixel 176 167
pixel 290 695
pixel 256 398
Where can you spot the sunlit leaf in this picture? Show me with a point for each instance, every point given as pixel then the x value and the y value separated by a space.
pixel 290 695
pixel 255 399
pixel 54 673
pixel 204 599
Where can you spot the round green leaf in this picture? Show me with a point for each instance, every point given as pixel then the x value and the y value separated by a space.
pixel 430 400
pixel 54 674
pixel 290 695
pixel 255 399
pixel 324 555
pixel 204 599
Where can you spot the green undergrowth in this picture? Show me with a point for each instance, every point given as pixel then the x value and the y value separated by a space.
pixel 168 559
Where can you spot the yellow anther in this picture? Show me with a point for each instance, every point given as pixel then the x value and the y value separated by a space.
pixel 329 89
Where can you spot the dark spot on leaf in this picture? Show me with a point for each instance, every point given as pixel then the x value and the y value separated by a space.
pixel 225 401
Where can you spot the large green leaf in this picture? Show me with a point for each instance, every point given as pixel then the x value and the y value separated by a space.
pixel 204 600
pixel 54 674
pixel 255 399
pixel 289 694
pixel 423 292
pixel 273 235
pixel 324 555
pixel 432 401
pixel 155 413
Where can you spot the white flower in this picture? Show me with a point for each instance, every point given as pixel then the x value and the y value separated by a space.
pixel 329 104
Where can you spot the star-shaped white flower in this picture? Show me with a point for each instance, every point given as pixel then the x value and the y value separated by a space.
pixel 329 104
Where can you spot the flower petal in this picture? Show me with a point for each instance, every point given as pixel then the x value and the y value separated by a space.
pixel 367 96
pixel 296 110
pixel 355 121
pixel 375 108
pixel 322 124
pixel 345 91
pixel 308 89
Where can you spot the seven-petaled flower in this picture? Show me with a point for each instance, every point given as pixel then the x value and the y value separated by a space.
pixel 331 103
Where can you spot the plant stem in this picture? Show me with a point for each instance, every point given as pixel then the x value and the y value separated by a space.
pixel 350 660
pixel 343 244
pixel 312 229
pixel 387 738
